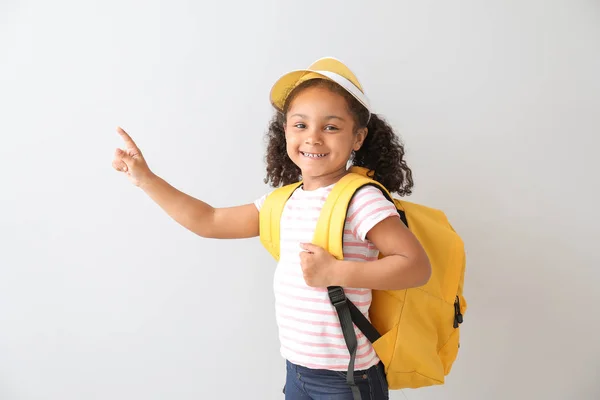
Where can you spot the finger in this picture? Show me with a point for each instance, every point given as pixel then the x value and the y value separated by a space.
pixel 304 259
pixel 309 247
pixel 119 166
pixel 129 143
pixel 123 156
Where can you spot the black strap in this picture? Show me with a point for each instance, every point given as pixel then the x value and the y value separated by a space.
pixel 349 313
pixel 339 301
pixel 403 217
pixel 363 323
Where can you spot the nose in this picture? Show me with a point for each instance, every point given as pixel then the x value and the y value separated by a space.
pixel 313 137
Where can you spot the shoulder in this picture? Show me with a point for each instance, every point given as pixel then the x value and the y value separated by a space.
pixel 277 194
pixel 368 207
pixel 369 195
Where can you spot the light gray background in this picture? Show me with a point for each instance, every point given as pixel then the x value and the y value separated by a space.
pixel 102 296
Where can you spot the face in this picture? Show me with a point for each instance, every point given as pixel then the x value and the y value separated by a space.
pixel 320 135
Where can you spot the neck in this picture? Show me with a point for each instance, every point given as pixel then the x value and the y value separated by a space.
pixel 314 182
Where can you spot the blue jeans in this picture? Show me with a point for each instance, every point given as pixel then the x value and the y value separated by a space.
pixel 319 384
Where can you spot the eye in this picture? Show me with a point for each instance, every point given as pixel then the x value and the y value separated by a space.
pixel 331 128
pixel 300 125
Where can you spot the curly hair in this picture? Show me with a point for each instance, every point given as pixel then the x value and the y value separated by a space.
pixel 382 151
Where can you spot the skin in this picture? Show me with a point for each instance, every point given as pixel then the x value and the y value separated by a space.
pixel 318 123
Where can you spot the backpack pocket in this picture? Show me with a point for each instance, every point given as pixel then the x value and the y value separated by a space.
pixel 449 351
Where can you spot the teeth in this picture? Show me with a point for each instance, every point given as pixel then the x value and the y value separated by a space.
pixel 310 155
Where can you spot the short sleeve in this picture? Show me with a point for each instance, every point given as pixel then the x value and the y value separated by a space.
pixel 260 201
pixel 368 208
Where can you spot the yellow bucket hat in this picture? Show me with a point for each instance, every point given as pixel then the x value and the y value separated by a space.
pixel 325 68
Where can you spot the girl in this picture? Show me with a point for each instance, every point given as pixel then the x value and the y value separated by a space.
pixel 323 123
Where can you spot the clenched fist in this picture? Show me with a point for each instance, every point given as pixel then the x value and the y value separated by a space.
pixel 318 266
pixel 131 161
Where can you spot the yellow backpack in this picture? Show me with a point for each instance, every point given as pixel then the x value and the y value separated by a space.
pixel 415 332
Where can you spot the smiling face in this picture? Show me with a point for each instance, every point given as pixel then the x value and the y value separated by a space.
pixel 320 134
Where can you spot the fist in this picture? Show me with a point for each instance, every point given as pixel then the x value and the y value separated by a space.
pixel 318 266
pixel 131 161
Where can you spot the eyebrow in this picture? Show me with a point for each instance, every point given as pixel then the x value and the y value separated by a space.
pixel 327 117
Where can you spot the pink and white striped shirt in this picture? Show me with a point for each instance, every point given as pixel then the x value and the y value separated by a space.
pixel 309 330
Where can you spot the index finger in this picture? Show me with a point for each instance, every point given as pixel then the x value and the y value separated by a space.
pixel 128 140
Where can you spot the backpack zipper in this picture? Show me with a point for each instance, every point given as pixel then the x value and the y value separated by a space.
pixel 458 317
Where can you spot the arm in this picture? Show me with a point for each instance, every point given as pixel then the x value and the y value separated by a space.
pixel 201 218
pixel 404 263
pixel 193 214
pixel 371 217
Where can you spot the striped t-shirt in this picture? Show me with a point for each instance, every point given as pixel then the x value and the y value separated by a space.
pixel 309 330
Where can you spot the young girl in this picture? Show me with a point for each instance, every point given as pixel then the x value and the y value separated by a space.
pixel 323 123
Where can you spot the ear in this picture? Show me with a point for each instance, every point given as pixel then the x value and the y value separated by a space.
pixel 361 135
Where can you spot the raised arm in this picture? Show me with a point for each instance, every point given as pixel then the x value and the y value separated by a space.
pixel 193 214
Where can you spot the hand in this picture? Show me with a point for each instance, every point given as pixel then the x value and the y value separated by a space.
pixel 131 162
pixel 318 265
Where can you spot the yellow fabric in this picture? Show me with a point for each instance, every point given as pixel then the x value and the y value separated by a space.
pixel 334 65
pixel 419 343
pixel 270 215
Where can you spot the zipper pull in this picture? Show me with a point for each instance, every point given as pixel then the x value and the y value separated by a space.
pixel 458 317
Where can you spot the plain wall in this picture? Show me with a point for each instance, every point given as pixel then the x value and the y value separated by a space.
pixel 103 296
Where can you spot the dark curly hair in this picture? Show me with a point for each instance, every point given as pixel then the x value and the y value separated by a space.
pixel 381 152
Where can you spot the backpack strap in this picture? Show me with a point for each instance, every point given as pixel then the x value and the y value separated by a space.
pixel 270 217
pixel 329 234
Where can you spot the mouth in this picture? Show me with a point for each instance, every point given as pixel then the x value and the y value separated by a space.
pixel 313 155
